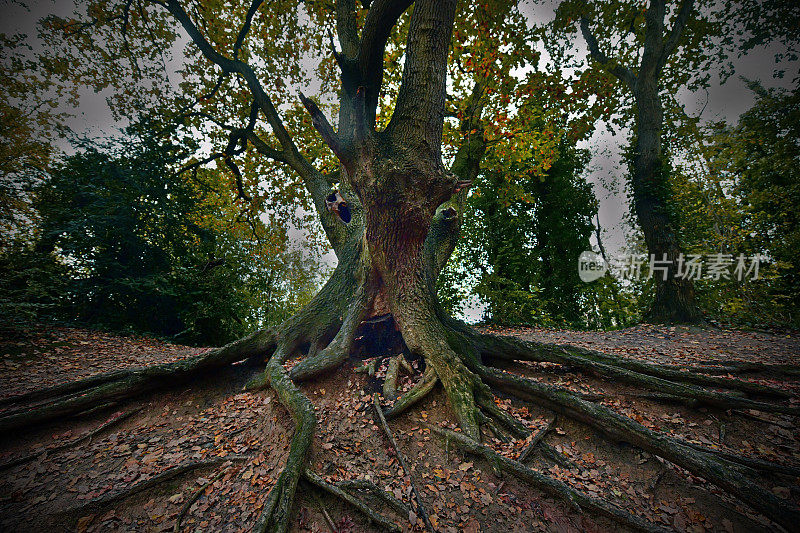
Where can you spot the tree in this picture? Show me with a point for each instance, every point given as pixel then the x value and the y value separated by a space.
pixel 28 122
pixel 756 161
pixel 142 249
pixel 523 231
pixel 388 211
pixel 645 48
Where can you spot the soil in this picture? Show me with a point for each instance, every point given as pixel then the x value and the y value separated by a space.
pixel 248 434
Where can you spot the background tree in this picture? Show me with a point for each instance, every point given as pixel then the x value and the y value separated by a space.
pixel 29 121
pixel 636 49
pixel 754 166
pixel 139 248
pixel 523 233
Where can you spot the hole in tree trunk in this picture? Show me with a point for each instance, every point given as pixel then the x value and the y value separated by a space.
pixel 377 337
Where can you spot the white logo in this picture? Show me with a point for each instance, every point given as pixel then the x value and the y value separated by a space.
pixel 591 266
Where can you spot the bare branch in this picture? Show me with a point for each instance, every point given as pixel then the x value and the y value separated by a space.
pixel 621 72
pixel 340 60
pixel 264 149
pixel 246 27
pixel 231 66
pixel 325 129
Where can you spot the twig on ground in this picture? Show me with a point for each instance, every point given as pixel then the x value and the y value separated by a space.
pixel 542 433
pixel 385 425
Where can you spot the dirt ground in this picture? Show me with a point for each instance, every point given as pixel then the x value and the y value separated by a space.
pixel 242 439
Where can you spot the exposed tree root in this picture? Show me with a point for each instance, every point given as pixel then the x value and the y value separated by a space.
pixel 559 354
pixel 337 491
pixel 330 337
pixel 193 498
pixel 739 367
pixel 514 426
pixel 166 475
pixel 423 514
pixel 417 393
pixel 375 490
pixel 338 350
pixel 621 428
pixel 548 484
pixel 753 463
pixel 390 381
pixel 275 517
pixel 64 390
pixel 129 383
pixel 30 457
pixel 616 367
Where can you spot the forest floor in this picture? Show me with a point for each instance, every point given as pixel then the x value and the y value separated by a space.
pixel 236 442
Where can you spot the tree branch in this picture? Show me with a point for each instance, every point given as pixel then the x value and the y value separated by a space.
pixel 653 37
pixel 381 18
pixel 314 181
pixel 246 27
pixel 621 72
pixel 331 138
pixel 419 111
pixel 346 27
pixel 675 33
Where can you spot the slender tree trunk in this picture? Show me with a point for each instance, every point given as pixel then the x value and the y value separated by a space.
pixel 674 299
pixel 674 296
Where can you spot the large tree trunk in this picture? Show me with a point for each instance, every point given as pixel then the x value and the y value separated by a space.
pixel 674 299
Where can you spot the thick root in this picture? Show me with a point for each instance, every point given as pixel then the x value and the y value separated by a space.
pixel 740 367
pixel 276 515
pixel 621 428
pixel 547 484
pixel 508 348
pixel 130 383
pixel 338 350
pixel 611 368
pixel 390 381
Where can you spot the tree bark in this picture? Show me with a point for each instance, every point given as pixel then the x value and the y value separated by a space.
pixel 674 300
